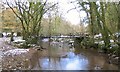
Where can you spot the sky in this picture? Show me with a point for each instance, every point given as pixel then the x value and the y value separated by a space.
pixel 72 16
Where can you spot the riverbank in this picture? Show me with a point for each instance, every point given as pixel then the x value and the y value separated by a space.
pixel 14 58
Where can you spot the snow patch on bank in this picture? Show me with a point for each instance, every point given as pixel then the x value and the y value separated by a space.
pixel 15 52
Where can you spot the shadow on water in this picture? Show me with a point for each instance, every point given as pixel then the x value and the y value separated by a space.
pixel 61 56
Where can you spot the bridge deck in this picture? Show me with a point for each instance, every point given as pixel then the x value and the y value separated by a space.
pixel 62 36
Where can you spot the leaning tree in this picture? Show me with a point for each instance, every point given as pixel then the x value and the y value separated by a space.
pixel 30 14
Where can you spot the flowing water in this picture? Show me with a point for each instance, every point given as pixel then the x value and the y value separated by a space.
pixel 63 56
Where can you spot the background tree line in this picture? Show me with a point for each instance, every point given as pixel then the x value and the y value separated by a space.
pixel 33 23
pixel 103 18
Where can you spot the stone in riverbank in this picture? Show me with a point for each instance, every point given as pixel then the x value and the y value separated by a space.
pixel 14 58
pixel 18 59
pixel 14 52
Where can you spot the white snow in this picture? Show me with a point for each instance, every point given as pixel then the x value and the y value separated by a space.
pixel 14 52
pixel 98 35
pixel 19 41
pixel 71 41
pixel 45 40
pixel 111 40
pixel 99 42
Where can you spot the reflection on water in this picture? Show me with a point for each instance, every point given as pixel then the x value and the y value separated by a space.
pixel 60 56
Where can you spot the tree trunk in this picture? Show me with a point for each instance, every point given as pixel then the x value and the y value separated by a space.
pixel 92 22
pixel 11 39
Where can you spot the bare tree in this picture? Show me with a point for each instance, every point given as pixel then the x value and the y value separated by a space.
pixel 30 14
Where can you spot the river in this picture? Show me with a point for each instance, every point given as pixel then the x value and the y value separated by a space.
pixel 61 55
